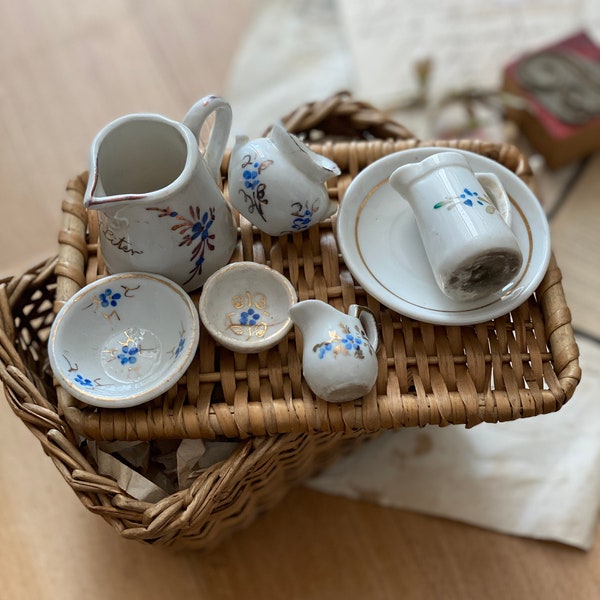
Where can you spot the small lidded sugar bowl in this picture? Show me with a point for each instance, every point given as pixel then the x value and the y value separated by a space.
pixel 278 182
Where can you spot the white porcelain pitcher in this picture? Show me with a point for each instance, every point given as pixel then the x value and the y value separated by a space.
pixel 464 219
pixel 339 359
pixel 278 182
pixel 161 209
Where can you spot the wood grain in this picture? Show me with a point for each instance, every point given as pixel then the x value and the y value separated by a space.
pixel 575 239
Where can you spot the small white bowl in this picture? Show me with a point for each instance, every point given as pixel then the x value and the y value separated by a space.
pixel 244 306
pixel 123 339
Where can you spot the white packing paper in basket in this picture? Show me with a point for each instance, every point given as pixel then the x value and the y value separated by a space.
pixel 537 477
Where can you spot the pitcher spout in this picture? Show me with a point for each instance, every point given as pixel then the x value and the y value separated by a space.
pixel 315 166
pixel 300 314
pixel 307 311
pixel 96 198
pixel 240 140
pixel 238 150
pixel 326 168
pixel 140 156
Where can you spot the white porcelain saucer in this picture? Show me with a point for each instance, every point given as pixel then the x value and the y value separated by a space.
pixel 381 246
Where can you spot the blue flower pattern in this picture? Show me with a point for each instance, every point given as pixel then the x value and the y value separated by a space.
pixel 249 317
pixel 467 198
pixel 302 220
pixel 109 298
pixel 128 353
pixel 346 343
pixel 352 342
pixel 107 301
pixel 251 177
pixel 323 350
pixel 251 314
pixel 83 381
pixel 195 229
pixel 255 191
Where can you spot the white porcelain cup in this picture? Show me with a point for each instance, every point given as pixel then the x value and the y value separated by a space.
pixel 464 221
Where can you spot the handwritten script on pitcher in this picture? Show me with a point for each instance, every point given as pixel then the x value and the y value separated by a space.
pixel 120 242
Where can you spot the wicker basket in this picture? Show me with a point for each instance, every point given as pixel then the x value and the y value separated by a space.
pixel 519 365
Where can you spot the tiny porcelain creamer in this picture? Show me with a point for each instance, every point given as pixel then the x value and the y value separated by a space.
pixel 278 183
pixel 464 220
pixel 339 360
pixel 160 207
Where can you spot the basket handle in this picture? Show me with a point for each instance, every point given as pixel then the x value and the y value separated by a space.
pixel 22 389
pixel 342 117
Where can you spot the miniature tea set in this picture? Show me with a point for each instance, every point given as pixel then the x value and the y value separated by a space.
pixel 448 237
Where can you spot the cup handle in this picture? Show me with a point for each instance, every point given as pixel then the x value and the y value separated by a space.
pixel 491 184
pixel 367 318
pixel 215 148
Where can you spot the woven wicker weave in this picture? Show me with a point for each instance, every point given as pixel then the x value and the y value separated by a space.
pixel 519 365
pixel 226 497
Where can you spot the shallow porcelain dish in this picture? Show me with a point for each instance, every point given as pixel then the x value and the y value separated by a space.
pixel 244 306
pixel 123 339
pixel 381 246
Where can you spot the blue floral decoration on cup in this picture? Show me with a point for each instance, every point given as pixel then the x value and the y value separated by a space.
pixel 128 353
pixel 109 298
pixel 249 317
pixel 468 198
pixel 83 381
pixel 251 177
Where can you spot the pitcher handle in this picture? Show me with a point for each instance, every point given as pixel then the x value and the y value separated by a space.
pixel 491 184
pixel 369 322
pixel 215 148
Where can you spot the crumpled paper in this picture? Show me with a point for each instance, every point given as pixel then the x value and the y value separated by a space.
pixel 111 464
pixel 538 477
pixel 195 456
pixel 467 42
pixel 150 471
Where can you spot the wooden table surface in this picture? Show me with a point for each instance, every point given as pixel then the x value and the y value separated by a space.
pixel 66 69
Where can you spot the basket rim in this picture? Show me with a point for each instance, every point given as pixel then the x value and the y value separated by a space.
pixel 255 417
